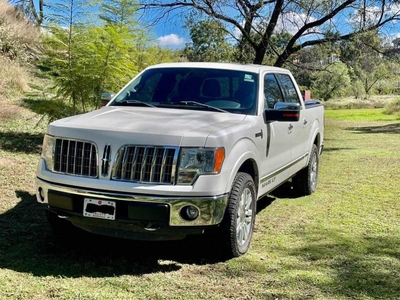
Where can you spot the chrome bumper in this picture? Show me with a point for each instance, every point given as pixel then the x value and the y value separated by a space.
pixel 211 208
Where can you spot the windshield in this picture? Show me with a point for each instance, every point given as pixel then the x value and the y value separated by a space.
pixel 193 88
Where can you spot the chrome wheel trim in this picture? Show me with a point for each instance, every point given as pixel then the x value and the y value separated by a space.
pixel 314 171
pixel 244 217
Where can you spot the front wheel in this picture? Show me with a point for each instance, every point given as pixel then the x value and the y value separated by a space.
pixel 236 229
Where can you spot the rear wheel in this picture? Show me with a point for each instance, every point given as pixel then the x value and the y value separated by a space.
pixel 236 229
pixel 305 181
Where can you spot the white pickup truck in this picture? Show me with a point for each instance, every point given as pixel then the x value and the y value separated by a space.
pixel 184 148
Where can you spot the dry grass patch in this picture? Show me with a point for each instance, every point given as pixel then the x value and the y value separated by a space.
pixel 14 80
pixel 17 34
pixel 375 101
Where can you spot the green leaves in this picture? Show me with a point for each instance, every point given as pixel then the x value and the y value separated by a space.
pixel 331 83
pixel 208 42
pixel 86 59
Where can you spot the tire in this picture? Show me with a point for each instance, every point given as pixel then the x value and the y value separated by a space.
pixel 236 229
pixel 305 181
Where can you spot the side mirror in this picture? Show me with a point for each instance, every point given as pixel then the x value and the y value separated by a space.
pixel 105 98
pixel 283 112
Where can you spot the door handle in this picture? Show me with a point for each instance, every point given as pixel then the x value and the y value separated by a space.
pixel 305 122
pixel 290 126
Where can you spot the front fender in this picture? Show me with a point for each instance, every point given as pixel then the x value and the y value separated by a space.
pixel 242 150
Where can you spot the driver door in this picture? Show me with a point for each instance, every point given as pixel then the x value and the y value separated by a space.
pixel 277 143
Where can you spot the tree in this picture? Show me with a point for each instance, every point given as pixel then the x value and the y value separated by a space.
pixel 208 42
pixel 332 82
pixel 310 22
pixel 64 46
pixel 119 12
pixel 86 60
pixel 312 59
pixel 34 12
pixel 364 55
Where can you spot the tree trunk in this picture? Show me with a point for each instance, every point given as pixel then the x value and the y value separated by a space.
pixel 260 54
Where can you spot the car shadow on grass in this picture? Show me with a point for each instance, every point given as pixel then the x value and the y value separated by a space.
pixel 27 244
pixel 393 128
pixel 22 142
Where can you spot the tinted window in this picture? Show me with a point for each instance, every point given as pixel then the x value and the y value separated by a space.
pixel 288 88
pixel 272 91
pixel 233 91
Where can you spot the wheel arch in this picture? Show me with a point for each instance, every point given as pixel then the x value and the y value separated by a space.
pixel 315 137
pixel 243 161
pixel 250 167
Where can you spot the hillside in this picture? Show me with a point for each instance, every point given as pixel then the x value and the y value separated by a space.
pixel 18 38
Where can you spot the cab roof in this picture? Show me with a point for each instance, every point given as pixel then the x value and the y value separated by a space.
pixel 222 66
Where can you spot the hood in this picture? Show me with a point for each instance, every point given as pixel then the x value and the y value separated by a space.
pixel 145 125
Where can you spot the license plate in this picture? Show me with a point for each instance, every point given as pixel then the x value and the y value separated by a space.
pixel 100 209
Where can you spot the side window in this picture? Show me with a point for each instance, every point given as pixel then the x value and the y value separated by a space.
pixel 272 91
pixel 288 88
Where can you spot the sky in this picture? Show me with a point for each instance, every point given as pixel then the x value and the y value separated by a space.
pixel 170 30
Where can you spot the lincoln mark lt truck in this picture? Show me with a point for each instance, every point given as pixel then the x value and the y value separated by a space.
pixel 182 149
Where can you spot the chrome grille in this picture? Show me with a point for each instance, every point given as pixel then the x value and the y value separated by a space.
pixel 75 158
pixel 145 164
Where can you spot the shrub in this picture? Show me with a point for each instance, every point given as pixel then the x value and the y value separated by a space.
pixel 393 107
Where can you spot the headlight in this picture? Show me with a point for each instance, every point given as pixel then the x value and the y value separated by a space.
pixel 48 151
pixel 194 162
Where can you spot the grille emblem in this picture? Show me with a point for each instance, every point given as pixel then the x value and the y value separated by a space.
pixel 105 161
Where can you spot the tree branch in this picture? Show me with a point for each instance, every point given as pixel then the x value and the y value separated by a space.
pixel 289 50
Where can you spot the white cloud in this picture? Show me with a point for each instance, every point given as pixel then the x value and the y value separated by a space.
pixel 172 39
pixel 291 22
pixel 373 13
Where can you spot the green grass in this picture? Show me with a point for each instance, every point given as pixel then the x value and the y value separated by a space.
pixel 343 242
pixel 360 115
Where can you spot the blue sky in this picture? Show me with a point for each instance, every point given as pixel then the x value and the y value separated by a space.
pixel 170 31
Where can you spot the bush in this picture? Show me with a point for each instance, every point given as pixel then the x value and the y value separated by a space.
pixel 393 107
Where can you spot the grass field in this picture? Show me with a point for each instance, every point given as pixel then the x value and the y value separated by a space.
pixel 343 242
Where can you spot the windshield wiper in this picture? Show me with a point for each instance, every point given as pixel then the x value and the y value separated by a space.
pixel 137 102
pixel 203 105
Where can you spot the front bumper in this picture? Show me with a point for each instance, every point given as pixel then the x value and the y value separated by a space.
pixel 131 209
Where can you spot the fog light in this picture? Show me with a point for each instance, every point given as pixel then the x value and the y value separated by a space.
pixel 41 194
pixel 190 213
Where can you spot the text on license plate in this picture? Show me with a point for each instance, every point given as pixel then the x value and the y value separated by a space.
pixel 101 209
